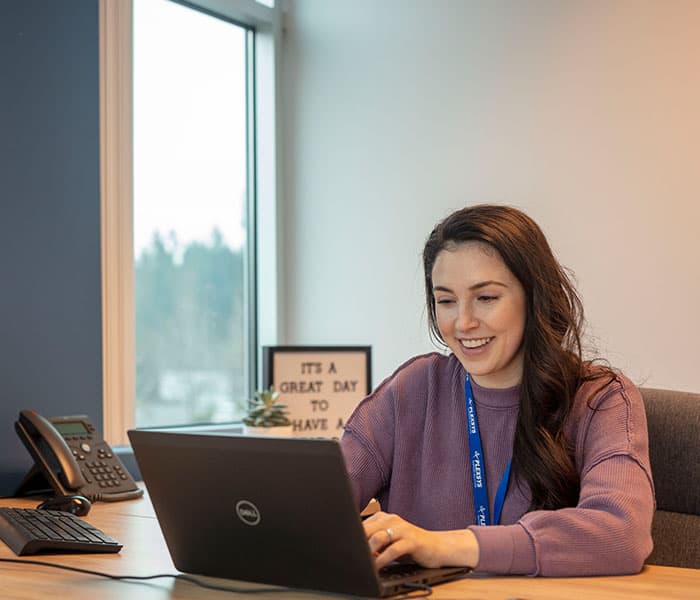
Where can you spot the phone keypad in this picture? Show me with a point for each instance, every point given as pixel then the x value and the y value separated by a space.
pixel 105 474
pixel 103 471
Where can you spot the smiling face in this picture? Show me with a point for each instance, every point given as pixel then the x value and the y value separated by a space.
pixel 480 312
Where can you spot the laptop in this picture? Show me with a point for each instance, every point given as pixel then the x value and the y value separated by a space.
pixel 271 510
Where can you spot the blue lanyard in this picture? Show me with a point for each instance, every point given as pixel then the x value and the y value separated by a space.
pixel 481 496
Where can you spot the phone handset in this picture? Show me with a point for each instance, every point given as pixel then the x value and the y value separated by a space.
pixel 39 427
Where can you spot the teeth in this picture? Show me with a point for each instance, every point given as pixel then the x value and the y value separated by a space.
pixel 475 343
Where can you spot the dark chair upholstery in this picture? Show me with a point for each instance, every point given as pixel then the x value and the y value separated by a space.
pixel 674 449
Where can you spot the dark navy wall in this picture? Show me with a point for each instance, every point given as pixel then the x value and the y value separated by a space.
pixel 50 307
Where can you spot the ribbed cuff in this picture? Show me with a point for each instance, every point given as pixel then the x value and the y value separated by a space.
pixel 505 549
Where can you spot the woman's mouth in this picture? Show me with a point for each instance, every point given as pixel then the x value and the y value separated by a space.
pixel 474 343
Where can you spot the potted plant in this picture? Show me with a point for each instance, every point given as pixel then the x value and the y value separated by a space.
pixel 266 416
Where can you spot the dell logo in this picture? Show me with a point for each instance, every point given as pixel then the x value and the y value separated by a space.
pixel 247 512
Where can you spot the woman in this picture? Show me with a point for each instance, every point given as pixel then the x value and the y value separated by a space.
pixel 511 454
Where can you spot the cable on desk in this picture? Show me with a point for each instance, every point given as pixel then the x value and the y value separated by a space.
pixel 427 590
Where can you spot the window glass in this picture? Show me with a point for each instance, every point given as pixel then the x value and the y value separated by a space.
pixel 190 216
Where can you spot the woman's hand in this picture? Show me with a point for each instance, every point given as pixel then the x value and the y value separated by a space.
pixel 391 537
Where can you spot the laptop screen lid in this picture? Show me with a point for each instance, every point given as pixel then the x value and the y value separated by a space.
pixel 272 510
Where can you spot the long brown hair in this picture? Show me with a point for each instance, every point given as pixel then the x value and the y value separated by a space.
pixel 553 364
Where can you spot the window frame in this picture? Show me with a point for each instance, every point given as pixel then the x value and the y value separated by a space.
pixel 116 195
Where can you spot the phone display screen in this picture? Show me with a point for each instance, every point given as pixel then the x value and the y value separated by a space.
pixel 71 428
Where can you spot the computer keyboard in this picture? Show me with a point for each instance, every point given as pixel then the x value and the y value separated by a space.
pixel 29 531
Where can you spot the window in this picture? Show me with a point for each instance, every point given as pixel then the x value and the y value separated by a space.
pixel 188 163
pixel 191 250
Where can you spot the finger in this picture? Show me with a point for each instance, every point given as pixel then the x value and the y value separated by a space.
pixel 381 538
pixel 393 552
pixel 375 523
pixel 374 518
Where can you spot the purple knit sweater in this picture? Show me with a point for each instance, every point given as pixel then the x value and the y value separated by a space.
pixel 406 444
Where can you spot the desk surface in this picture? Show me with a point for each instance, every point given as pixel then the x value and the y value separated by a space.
pixel 134 524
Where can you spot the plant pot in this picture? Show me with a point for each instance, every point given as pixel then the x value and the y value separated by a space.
pixel 278 431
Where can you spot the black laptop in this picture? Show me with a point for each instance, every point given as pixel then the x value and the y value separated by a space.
pixel 271 510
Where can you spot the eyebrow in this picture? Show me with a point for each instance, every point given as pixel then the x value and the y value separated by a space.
pixel 476 286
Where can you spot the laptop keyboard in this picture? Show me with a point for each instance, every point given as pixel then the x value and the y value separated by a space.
pixel 29 531
pixel 399 570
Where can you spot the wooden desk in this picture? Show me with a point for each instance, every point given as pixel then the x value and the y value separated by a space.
pixel 144 553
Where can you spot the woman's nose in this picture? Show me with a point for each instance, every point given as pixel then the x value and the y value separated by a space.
pixel 466 319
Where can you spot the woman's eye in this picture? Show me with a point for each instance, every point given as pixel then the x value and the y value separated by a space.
pixel 443 300
pixel 485 298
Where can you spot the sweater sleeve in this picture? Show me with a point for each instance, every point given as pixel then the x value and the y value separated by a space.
pixel 367 443
pixel 609 531
pixel 366 472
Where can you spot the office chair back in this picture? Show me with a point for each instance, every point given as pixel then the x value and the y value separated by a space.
pixel 674 450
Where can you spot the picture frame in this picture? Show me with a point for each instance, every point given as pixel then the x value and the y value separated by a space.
pixel 321 385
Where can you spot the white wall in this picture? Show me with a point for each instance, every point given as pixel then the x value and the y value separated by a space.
pixel 584 114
